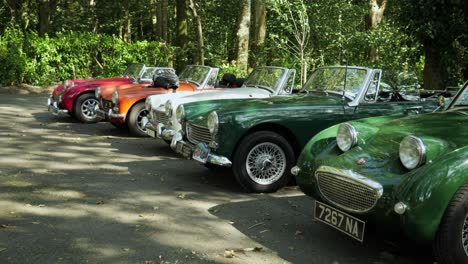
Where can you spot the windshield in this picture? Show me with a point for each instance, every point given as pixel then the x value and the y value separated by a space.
pixel 462 99
pixel 149 72
pixel 264 77
pixel 133 70
pixel 194 74
pixel 332 80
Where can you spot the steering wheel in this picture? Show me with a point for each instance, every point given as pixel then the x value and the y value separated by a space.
pixel 396 97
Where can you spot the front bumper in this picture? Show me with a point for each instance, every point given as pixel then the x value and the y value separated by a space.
pixel 107 115
pixel 54 108
pixel 157 130
pixel 202 153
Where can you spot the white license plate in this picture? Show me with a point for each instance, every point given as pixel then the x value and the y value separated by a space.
pixel 184 149
pixel 342 221
pixel 151 133
pixel 200 153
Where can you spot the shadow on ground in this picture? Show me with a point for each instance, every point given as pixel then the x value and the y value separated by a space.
pixel 77 193
pixel 286 225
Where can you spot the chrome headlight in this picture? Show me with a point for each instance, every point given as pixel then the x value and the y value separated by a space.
pixel 180 113
pixel 59 99
pixel 148 104
pixel 168 108
pixel 65 84
pixel 213 123
pixel 346 138
pixel 97 93
pixel 115 97
pixel 412 152
pixel 72 84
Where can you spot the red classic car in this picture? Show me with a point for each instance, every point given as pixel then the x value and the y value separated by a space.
pixel 76 97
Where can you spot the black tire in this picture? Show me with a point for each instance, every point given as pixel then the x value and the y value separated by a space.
pixel 83 109
pixel 448 245
pixel 134 120
pixel 119 125
pixel 258 141
pixel 217 169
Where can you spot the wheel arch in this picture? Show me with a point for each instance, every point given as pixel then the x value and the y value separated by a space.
pixel 75 97
pixel 275 128
pixel 429 191
pixel 131 108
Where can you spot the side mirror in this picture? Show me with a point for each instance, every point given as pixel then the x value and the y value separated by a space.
pixel 440 103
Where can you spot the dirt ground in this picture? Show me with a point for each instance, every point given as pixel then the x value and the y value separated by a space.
pixel 78 193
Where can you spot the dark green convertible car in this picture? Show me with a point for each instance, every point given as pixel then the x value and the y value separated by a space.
pixel 407 174
pixel 261 138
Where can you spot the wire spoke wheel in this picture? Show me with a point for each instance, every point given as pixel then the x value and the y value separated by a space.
pixel 266 163
pixel 87 108
pixel 465 235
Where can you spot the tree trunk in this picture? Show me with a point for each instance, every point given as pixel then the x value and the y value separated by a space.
pixel 200 50
pixel 258 30
pixel 46 11
pixel 374 17
pixel 165 20
pixel 243 35
pixel 154 19
pixel 127 27
pixel 434 73
pixel 159 11
pixel 182 33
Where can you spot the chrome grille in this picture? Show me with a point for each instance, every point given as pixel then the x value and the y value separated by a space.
pixel 198 134
pixel 161 117
pixel 348 193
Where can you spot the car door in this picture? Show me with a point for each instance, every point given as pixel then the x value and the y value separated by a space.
pixel 379 100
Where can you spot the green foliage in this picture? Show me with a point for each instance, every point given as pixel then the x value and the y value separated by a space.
pixel 444 25
pixel 233 69
pixel 86 35
pixel 32 59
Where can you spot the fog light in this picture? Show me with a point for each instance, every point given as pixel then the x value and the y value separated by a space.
pixel 295 170
pixel 115 109
pixel 400 208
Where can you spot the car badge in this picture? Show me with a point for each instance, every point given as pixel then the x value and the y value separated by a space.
pixel 361 161
pixel 200 117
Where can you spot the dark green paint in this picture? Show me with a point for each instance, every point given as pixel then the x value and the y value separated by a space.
pixel 426 190
pixel 301 115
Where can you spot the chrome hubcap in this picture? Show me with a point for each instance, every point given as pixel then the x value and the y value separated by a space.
pixel 266 163
pixel 142 114
pixel 87 108
pixel 465 235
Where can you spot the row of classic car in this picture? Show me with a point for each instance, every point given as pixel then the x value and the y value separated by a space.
pixel 362 149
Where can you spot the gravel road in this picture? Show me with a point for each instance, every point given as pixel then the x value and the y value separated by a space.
pixel 79 193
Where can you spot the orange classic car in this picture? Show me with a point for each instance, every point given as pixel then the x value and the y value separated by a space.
pixel 124 105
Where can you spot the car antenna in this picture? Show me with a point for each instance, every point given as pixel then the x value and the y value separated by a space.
pixel 345 78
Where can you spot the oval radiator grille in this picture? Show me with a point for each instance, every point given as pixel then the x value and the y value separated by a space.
pixel 346 193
